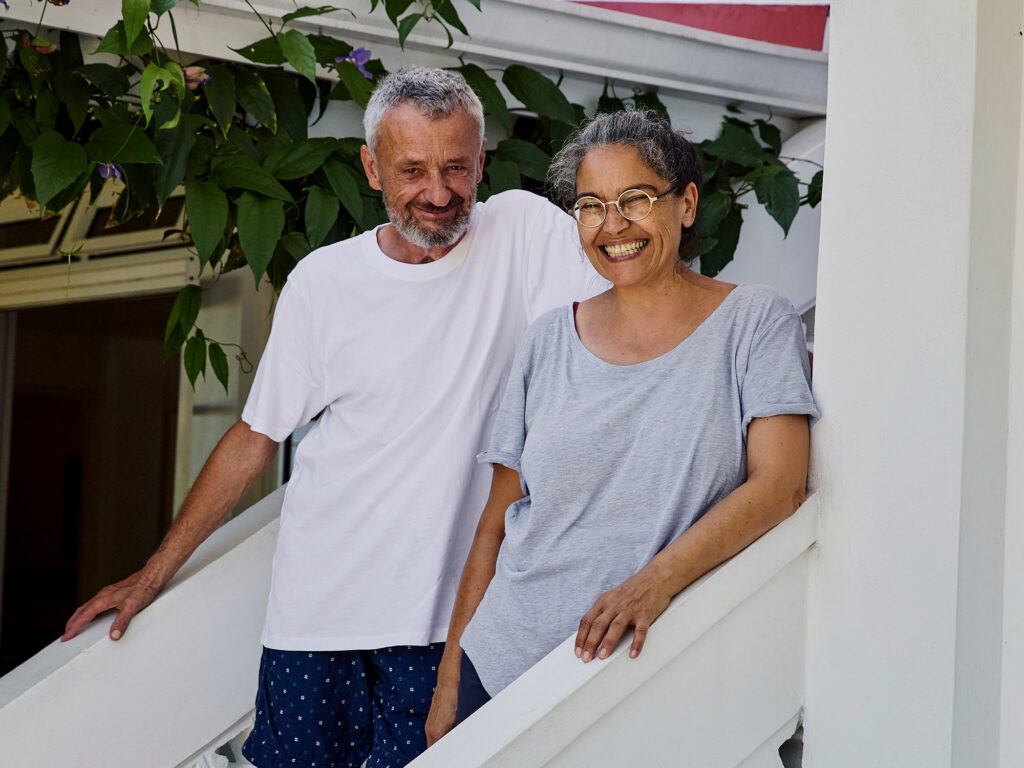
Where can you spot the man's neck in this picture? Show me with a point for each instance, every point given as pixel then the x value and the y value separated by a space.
pixel 398 248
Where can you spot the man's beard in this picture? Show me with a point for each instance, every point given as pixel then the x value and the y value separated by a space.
pixel 424 237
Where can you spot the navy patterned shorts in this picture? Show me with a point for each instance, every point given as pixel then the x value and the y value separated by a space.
pixel 337 709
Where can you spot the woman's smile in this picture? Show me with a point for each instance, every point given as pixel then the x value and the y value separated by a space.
pixel 623 251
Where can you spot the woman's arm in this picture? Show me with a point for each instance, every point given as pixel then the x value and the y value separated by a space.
pixel 777 456
pixel 476 575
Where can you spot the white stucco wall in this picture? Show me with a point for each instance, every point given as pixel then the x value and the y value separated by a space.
pixel 912 359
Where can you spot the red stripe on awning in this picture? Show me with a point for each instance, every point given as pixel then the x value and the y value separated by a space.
pixel 799 26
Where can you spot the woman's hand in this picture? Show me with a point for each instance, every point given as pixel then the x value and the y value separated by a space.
pixel 636 602
pixel 441 717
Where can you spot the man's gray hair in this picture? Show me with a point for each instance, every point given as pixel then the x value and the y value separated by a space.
pixel 436 93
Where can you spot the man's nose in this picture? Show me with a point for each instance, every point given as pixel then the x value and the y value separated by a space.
pixel 436 191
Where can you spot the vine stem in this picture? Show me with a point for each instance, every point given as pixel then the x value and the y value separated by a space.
pixel 258 16
pixel 39 26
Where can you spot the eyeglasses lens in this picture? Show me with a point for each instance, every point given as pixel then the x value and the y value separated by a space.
pixel 633 204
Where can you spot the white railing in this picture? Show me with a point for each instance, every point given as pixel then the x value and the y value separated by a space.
pixel 720 681
pixel 180 682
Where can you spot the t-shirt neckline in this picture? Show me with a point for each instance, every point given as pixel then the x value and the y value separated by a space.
pixel 420 272
pixel 577 342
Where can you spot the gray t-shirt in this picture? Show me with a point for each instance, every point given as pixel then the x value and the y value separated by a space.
pixel 617 461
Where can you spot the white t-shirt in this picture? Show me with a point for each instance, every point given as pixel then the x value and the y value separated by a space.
pixel 407 362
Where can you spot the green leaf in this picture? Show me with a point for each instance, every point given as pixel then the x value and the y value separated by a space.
pixel 650 100
pixel 531 159
pixel 36 67
pixel 395 8
pixel 183 316
pixel 711 209
pixel 305 11
pixel 357 87
pixel 47 107
pixel 769 135
pixel 299 52
pixel 195 358
pixel 714 261
pixel 296 245
pixel 502 175
pixel 5 116
pixel 116 43
pixel 56 163
pixel 292 112
pixel 151 75
pixel 299 159
pixel 489 93
pixel 70 50
pixel 73 91
pixel 177 80
pixel 345 184
pixel 220 95
pixel 174 145
pixel 160 7
pixel 779 193
pixel 254 97
pixel 446 10
pixel 110 80
pixel 25 125
pixel 265 51
pixel 206 207
pixel 240 172
pixel 814 189
pixel 122 143
pixel 475 4
pixel 260 222
pixel 219 364
pixel 321 213
pixel 736 145
pixel 328 49
pixel 405 27
pixel 606 104
pixel 538 94
pixel 134 13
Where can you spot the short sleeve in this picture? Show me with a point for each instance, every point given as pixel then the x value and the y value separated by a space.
pixel 558 272
pixel 777 379
pixel 288 389
pixel 509 434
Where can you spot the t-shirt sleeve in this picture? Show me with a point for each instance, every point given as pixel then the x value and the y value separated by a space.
pixel 288 389
pixel 777 379
pixel 558 272
pixel 509 434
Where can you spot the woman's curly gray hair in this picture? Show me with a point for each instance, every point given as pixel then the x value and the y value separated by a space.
pixel 666 152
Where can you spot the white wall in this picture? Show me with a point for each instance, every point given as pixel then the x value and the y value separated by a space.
pixel 912 343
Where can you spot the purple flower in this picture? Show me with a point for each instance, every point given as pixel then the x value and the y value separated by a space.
pixel 109 169
pixel 194 77
pixel 58 2
pixel 5 5
pixel 359 57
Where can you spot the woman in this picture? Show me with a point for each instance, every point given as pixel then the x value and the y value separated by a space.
pixel 645 436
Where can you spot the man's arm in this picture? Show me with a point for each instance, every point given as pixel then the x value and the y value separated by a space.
pixel 236 463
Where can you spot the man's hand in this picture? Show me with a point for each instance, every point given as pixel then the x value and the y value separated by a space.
pixel 443 707
pixel 637 602
pixel 128 597
pixel 239 459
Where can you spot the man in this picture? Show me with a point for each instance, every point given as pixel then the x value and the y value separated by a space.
pixel 400 339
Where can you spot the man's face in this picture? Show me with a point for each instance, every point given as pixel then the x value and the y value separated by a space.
pixel 428 171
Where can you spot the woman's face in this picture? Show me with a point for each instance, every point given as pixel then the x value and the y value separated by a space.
pixel 632 252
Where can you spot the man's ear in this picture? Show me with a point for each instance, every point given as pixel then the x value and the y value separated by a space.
pixel 480 162
pixel 370 167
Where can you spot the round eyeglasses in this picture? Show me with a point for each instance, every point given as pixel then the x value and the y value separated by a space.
pixel 633 204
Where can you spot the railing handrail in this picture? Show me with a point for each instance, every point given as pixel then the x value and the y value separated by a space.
pixel 552 691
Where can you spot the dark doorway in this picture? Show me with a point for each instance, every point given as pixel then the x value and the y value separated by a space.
pixel 91 460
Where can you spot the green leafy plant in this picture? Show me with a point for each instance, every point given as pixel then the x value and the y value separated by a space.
pixel 260 193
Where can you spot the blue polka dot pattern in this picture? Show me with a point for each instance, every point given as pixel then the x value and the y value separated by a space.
pixel 337 709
